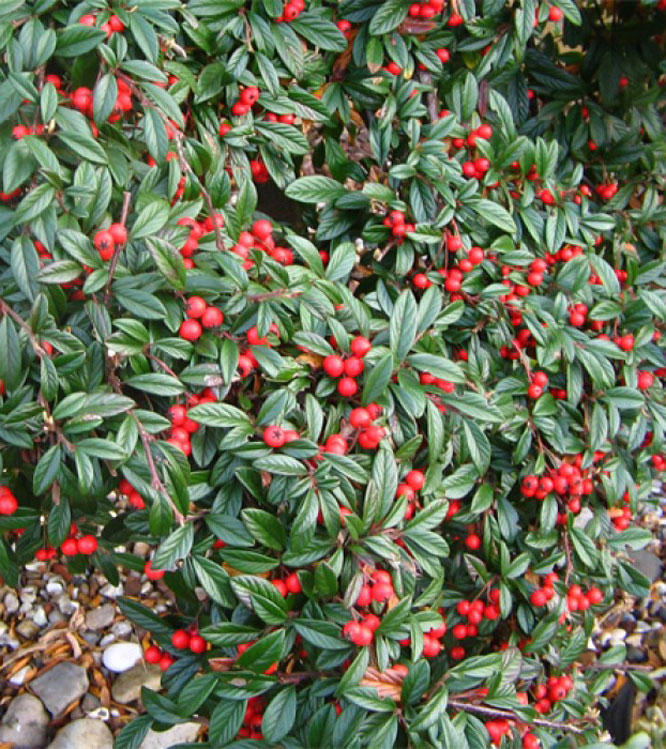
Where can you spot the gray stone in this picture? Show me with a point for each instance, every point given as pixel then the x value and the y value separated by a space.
pixel 25 723
pixel 86 732
pixel 39 616
pixel 11 603
pixel 100 617
pixel 127 687
pixel 180 734
pixel 27 629
pixel 112 591
pixel 60 686
pixel 647 562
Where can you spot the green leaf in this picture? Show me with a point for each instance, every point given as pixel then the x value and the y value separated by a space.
pixel 315 189
pixel 46 469
pixel 378 379
pixel 402 329
pixel 279 716
pixel 389 16
pixel 175 547
pixel 156 383
pixel 76 40
pixel 150 220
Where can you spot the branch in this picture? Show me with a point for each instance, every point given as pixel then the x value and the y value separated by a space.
pixel 156 481
pixel 284 293
pixel 117 249
pixel 492 712
pixel 36 345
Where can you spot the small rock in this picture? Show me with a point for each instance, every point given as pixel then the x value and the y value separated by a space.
pixel 24 724
pixel 11 603
pixel 88 733
pixel 27 629
pixel 60 686
pixel 92 638
pixel 6 640
pixel 101 617
pixel 180 734
pixel 66 605
pixel 121 629
pixel 28 594
pixel 127 687
pixel 647 562
pixel 90 703
pixel 141 549
pixel 55 587
pixel 636 655
pixel 111 591
pixel 121 656
pixel 18 678
pixel 39 616
pixel 55 617
pixel 583 518
pixel 107 640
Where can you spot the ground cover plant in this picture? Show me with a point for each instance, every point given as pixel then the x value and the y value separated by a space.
pixel 353 312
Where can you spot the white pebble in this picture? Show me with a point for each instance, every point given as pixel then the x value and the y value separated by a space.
pixel 121 656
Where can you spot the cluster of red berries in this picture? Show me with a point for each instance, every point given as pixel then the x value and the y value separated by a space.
pixel 540 596
pixel 606 192
pixel 625 342
pixel 432 645
pixel 72 545
pixel 182 427
pixel 414 482
pixel 247 99
pixel 291 11
pixel 200 315
pixel 113 26
pixel 395 221
pixel 189 639
pixel 134 499
pixel 567 479
pixel 197 230
pixel 428 9
pixel 290 585
pixel 538 384
pixel 259 171
pixel 579 601
pixel 254 713
pixel 370 434
pixel 335 366
pixel 621 517
pixel 106 240
pixel 555 689
pixel 156 656
pixel 379 590
pixel 260 237
pixel 578 315
pixel 8 502
pixel 20 131
pixel 82 99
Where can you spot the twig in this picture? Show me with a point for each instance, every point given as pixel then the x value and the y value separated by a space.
pixel 36 345
pixel 496 713
pixel 118 248
pixel 284 293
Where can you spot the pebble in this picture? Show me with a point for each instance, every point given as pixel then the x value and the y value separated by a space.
pixel 127 687
pixel 92 638
pixel 121 629
pixel 25 723
pixel 636 655
pixel 11 603
pixel 647 562
pixel 18 678
pixel 101 617
pixel 86 732
pixel 66 605
pixel 90 703
pixel 111 591
pixel 55 587
pixel 28 594
pixel 180 734
pixel 61 685
pixel 107 640
pixel 27 629
pixel 122 656
pixel 39 616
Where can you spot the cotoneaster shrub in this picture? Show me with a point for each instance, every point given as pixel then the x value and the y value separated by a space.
pixel 352 311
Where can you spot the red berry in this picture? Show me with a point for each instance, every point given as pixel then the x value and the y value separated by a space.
pixel 645 380
pixel 416 479
pixel 262 229
pixel 359 418
pixel 353 366
pixel 472 542
pixel 274 436
pixel 8 503
pixel 198 644
pixel 382 592
pixel 333 365
pixel 180 639
pixel 190 330
pixel 152 574
pixel 119 233
pixel 152 654
pixel 293 583
pixel 166 661
pixel 212 318
pixel 87 545
pixel 347 387
pixel 360 346
pixel 195 307
pixel 69 547
pixel 538 598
